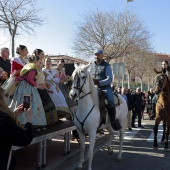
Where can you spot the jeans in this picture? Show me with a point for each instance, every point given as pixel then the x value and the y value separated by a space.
pixel 109 96
pixel 154 99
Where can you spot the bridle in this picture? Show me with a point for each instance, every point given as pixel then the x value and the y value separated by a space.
pixel 160 89
pixel 80 88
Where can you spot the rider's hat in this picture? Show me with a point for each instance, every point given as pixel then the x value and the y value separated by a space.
pixel 98 52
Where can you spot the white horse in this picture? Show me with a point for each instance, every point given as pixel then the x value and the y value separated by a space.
pixel 87 117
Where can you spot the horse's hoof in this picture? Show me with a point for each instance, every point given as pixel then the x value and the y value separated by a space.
pixel 166 150
pixel 119 159
pixel 110 151
pixel 155 148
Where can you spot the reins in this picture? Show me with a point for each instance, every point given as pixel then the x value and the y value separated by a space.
pixel 82 123
pixel 81 97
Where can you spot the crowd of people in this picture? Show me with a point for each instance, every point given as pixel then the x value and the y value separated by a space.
pixel 34 78
pixel 138 102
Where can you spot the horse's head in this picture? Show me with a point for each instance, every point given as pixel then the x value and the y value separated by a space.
pixel 161 82
pixel 80 77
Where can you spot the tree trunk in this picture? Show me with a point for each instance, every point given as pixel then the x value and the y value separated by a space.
pixel 13 45
pixel 141 84
pixel 148 84
pixel 129 79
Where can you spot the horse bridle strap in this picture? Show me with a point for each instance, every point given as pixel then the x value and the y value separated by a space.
pixel 82 123
pixel 80 88
pixel 161 90
pixel 80 97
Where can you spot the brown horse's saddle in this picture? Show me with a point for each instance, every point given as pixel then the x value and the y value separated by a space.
pixel 103 104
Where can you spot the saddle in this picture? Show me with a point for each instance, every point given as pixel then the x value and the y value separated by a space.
pixel 103 104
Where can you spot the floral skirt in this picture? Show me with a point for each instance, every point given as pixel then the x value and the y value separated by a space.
pixel 49 107
pixel 38 116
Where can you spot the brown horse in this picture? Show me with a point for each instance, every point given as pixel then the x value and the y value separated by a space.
pixel 162 108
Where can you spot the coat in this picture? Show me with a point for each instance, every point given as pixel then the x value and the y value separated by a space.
pixel 11 134
pixel 130 102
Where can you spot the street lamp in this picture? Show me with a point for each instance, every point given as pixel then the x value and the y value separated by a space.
pixel 123 76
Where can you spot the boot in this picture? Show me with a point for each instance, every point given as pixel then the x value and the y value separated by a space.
pixel 114 122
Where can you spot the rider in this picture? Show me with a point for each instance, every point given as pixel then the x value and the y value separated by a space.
pixel 166 70
pixel 102 77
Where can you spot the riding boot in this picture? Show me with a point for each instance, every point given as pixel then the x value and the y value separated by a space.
pixel 114 122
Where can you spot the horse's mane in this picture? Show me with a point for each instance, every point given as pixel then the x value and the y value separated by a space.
pixel 94 90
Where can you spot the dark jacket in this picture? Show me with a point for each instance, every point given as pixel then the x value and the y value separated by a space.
pixel 138 101
pixel 6 66
pixel 130 102
pixel 11 134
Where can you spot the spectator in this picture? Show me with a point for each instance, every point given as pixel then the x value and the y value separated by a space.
pixel 4 61
pixel 138 102
pixel 39 53
pixel 12 133
pixel 28 86
pixel 17 63
pixel 128 97
pixel 119 90
pixel 149 104
pixel 49 107
pixel 152 107
pixel 143 104
pixel 57 96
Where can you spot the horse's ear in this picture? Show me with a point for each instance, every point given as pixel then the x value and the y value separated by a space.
pixel 75 65
pixel 87 66
pixel 155 71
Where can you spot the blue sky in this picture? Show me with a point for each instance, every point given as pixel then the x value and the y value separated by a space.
pixel 55 36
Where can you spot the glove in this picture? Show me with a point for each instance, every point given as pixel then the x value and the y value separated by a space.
pixel 96 82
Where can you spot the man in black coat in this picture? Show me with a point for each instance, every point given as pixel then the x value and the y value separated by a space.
pixel 4 61
pixel 138 103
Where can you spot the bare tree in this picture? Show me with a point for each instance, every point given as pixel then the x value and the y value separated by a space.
pixel 19 16
pixel 112 32
pixel 131 60
pixel 146 66
pixel 150 65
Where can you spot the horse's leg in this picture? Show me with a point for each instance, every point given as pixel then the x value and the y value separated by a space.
pixel 166 137
pixel 121 138
pixel 82 148
pixel 164 128
pixel 111 133
pixel 92 139
pixel 155 144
